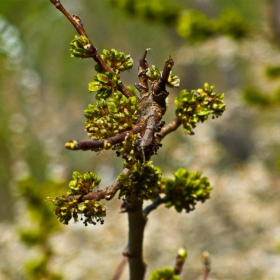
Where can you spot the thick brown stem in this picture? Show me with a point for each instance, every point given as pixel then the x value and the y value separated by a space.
pixel 134 251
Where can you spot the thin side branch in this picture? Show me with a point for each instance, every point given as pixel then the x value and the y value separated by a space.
pixel 159 85
pixel 180 260
pixel 107 193
pixel 119 271
pixel 153 206
pixel 206 265
pixel 95 145
pixel 166 71
pixel 172 126
pixel 77 23
pixel 142 75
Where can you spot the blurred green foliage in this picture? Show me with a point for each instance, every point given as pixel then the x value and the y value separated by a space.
pixel 192 25
pixel 157 11
pixel 42 226
pixel 256 97
pixel 195 26
pixel 272 72
pixel 252 95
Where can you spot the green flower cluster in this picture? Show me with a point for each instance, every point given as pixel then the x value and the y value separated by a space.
pixel 67 208
pixel 195 26
pixel 83 184
pixel 144 180
pixel 173 80
pixel 153 73
pixel 104 84
pixel 117 61
pixel 93 211
pixel 164 274
pixel 128 150
pixel 70 207
pixel 80 47
pixel 196 106
pixel 107 118
pixel 186 190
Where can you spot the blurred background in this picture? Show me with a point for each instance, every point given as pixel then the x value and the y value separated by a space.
pixel 233 45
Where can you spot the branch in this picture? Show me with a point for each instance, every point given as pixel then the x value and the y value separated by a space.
pixel 107 193
pixel 118 273
pixel 143 79
pixel 180 260
pixel 166 71
pixel 159 85
pixel 134 250
pixel 92 52
pixel 126 207
pixel 75 20
pixel 172 126
pixel 96 145
pixel 206 265
pixel 157 202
